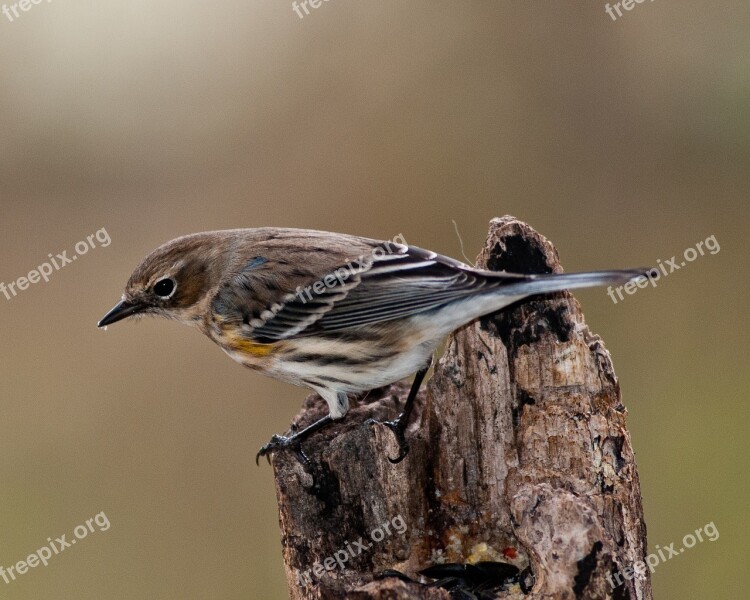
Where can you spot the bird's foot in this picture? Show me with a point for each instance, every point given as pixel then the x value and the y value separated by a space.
pixel 286 443
pixel 398 427
pixel 293 442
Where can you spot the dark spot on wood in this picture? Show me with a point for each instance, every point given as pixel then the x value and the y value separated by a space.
pixel 521 254
pixel 326 488
pixel 621 592
pixel 528 322
pixel 605 488
pixel 586 568
pixel 526 580
pixel 613 445
pixel 533 317
pixel 524 397
pixel 539 500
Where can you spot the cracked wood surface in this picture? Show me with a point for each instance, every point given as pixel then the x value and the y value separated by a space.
pixel 518 441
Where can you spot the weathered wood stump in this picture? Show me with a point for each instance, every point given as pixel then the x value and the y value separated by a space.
pixel 519 454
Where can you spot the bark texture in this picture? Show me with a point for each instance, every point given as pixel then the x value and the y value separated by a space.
pixel 519 454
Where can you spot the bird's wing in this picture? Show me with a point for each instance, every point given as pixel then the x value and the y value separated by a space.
pixel 389 286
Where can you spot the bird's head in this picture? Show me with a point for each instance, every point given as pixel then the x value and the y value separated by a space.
pixel 173 281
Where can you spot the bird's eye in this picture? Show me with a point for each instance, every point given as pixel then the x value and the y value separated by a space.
pixel 164 287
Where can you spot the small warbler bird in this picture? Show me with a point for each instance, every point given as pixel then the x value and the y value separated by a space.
pixel 336 313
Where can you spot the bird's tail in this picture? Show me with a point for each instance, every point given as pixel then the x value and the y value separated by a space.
pixel 555 282
pixel 510 288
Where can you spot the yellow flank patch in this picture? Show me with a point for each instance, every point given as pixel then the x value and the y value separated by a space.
pixel 253 348
pixel 232 339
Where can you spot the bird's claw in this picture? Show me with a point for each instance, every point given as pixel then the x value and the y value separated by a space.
pixel 281 442
pixel 398 427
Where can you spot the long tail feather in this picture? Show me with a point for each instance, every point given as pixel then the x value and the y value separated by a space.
pixel 555 282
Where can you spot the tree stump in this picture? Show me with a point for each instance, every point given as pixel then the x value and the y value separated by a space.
pixel 519 454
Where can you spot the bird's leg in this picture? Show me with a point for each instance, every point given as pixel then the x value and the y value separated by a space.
pixel 398 425
pixel 293 442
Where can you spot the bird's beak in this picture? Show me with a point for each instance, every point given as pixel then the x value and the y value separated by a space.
pixel 121 310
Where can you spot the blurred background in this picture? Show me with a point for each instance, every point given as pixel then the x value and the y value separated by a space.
pixel 623 141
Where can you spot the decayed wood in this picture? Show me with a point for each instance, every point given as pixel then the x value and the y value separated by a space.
pixel 519 453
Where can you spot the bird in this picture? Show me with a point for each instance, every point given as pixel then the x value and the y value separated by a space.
pixel 336 313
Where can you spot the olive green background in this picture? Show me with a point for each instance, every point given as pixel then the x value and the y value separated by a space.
pixel 622 141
